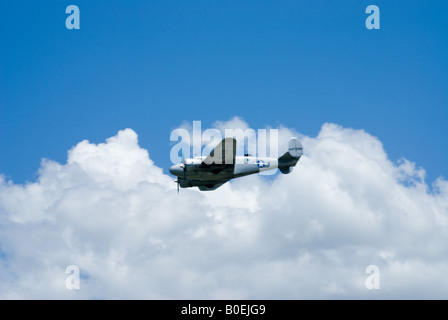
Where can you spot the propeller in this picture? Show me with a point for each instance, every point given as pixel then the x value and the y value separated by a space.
pixel 184 167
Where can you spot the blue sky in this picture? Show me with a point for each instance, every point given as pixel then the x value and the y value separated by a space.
pixel 151 65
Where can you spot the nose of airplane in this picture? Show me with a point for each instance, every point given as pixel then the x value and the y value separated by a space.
pixel 176 170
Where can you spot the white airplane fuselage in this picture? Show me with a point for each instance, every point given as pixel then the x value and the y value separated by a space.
pixel 244 165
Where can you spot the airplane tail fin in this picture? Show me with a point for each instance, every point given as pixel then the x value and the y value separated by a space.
pixel 289 159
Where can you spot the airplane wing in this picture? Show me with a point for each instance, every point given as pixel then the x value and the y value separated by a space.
pixel 223 154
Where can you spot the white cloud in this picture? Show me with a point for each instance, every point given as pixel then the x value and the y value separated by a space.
pixel 309 234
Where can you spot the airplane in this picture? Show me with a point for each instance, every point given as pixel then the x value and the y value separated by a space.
pixel 221 165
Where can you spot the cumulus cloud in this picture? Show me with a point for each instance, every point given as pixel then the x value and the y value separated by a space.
pixel 310 234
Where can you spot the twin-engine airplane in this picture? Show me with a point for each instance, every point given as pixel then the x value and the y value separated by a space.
pixel 222 164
